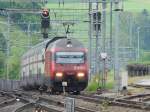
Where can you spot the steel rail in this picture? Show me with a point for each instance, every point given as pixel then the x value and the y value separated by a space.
pixel 30 105
pixel 59 103
pixel 116 102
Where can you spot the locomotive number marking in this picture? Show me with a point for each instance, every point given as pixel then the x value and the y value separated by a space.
pixel 78 67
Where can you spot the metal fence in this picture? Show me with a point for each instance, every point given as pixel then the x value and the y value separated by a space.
pixel 138 70
pixel 9 85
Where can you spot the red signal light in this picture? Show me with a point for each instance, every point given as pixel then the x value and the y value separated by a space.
pixel 45 22
pixel 45 12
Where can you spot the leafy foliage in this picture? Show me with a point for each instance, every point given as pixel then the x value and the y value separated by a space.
pixel 143 22
pixel 3 45
pixel 3 48
pixel 18 40
pixel 2 64
pixel 19 16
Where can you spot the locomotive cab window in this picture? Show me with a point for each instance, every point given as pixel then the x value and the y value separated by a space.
pixel 70 57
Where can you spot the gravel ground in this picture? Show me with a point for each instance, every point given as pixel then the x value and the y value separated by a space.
pixel 79 102
pixel 99 107
pixel 4 98
pixel 32 110
pixel 105 107
pixel 11 108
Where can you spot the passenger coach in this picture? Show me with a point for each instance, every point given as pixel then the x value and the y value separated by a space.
pixel 54 61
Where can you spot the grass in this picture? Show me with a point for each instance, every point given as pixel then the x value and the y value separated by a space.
pixel 79 29
pixel 129 5
pixel 140 62
pixel 94 83
pixel 144 59
pixel 68 5
pixel 136 5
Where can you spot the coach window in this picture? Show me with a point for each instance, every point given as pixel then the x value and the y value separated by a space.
pixel 30 72
pixel 42 58
pixel 39 72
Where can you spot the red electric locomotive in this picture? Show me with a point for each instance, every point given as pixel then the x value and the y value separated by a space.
pixel 56 61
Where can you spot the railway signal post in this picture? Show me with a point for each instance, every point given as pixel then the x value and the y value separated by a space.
pixel 104 56
pixel 117 76
pixel 45 22
pixel 64 84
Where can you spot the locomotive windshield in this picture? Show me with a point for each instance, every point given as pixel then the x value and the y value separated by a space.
pixel 70 57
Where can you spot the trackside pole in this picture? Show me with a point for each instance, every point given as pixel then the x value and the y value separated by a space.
pixel 64 84
pixel 70 104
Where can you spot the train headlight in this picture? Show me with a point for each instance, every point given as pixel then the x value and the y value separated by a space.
pixel 59 74
pixel 80 74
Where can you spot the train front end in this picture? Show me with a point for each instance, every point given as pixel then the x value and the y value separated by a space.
pixel 70 66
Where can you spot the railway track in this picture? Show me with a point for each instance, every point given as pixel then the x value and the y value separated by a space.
pixel 22 101
pixel 34 103
pixel 31 103
pixel 37 107
pixel 4 96
pixel 11 103
pixel 140 86
pixel 50 103
pixel 124 102
pixel 62 104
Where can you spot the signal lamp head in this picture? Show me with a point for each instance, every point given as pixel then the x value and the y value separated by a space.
pixel 80 74
pixel 59 74
pixel 45 13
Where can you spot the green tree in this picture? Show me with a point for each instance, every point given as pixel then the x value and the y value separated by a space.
pixel 143 21
pixel 2 64
pixel 3 45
